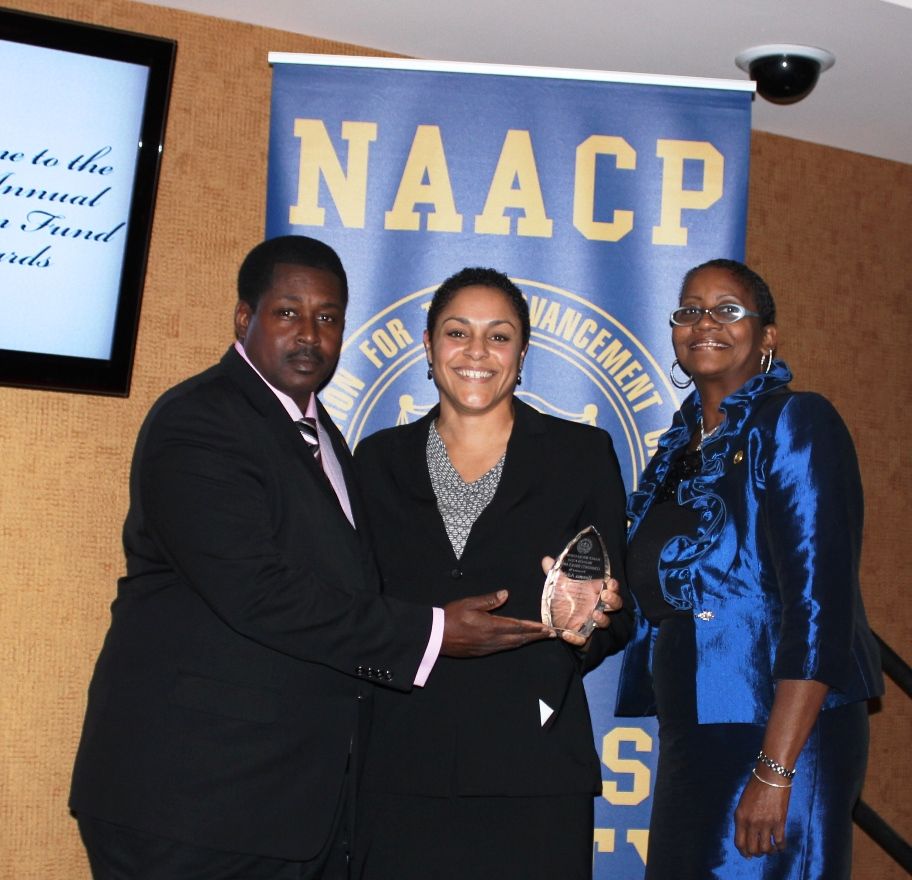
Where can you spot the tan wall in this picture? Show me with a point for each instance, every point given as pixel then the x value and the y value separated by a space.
pixel 830 230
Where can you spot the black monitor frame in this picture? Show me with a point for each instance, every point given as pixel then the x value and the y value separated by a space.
pixel 112 376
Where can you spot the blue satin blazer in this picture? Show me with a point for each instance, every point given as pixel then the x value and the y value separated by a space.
pixel 771 572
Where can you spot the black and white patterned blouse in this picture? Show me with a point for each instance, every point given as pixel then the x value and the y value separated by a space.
pixel 460 503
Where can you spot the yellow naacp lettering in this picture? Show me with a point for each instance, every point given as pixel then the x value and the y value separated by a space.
pixel 651 440
pixel 548 321
pixel 515 184
pixel 385 342
pixel 317 157
pixel 569 321
pixel 610 356
pixel 584 187
pixel 564 322
pixel 516 165
pixel 639 839
pixel 639 772
pixel 548 316
pixel 637 386
pixel 675 199
pixel 537 306
pixel 629 370
pixel 581 340
pixel 340 395
pixel 426 162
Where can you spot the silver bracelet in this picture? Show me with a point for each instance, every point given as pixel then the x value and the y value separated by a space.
pixel 770 784
pixel 775 766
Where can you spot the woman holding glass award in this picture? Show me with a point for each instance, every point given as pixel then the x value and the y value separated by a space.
pixel 489 770
pixel 751 643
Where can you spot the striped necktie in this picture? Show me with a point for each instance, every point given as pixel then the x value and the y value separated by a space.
pixel 308 429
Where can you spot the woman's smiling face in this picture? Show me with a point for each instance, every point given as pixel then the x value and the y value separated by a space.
pixel 476 350
pixel 724 354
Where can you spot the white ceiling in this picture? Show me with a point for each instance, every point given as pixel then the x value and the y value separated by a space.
pixel 864 103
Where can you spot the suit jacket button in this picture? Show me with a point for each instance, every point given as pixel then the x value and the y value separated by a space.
pixel 360 672
pixel 456 573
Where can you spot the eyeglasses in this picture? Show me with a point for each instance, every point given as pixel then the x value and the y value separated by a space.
pixel 724 313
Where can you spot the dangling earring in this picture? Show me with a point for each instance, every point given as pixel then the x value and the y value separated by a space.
pixel 519 374
pixel 430 371
pixel 679 383
pixel 766 361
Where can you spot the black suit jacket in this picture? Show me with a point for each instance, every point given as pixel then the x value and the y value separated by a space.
pixel 475 729
pixel 228 690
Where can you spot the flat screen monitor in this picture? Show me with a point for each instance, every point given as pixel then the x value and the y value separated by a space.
pixel 83 113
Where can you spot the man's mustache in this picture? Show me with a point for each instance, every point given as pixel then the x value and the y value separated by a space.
pixel 306 352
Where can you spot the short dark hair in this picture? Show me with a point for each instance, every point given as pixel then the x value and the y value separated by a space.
pixel 747 278
pixel 256 272
pixel 477 275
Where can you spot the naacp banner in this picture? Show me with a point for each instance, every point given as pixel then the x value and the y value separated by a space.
pixel 593 191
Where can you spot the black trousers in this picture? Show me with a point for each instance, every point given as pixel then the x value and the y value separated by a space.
pixel 119 853
pixel 410 837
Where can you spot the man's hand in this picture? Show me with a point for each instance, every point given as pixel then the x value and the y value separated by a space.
pixel 470 630
pixel 609 600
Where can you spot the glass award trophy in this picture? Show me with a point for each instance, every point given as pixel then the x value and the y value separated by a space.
pixel 573 585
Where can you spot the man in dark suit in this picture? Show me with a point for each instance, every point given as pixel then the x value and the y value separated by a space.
pixel 222 731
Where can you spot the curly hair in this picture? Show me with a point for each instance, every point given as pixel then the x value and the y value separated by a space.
pixel 752 283
pixel 477 275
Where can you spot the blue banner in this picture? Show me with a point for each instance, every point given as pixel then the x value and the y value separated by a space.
pixel 594 192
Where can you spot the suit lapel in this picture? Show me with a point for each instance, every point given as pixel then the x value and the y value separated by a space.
pixel 408 464
pixel 528 452
pixel 285 431
pixel 417 477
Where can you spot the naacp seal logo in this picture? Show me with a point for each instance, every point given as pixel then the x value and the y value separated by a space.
pixel 583 364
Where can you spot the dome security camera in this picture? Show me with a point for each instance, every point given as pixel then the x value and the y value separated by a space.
pixel 785 73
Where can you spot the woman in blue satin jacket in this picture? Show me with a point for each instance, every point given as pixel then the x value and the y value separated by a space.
pixel 752 645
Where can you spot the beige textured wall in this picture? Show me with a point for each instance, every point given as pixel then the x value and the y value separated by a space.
pixel 830 230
